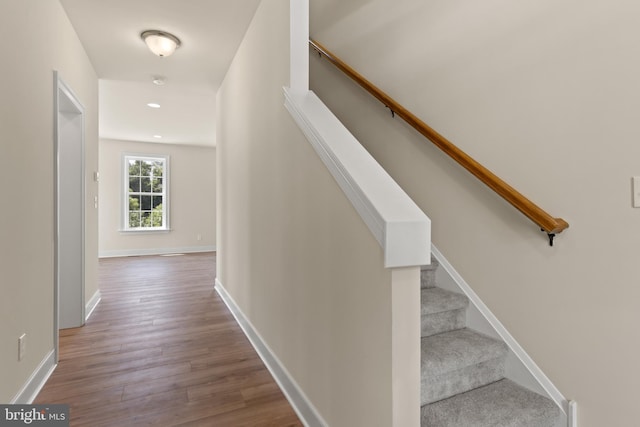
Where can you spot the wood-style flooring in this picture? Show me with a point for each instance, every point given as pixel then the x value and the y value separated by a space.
pixel 162 349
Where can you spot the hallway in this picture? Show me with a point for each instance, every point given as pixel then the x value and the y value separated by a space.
pixel 161 348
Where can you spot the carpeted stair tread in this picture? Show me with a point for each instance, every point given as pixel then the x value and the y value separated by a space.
pixel 437 300
pixel 500 404
pixel 458 361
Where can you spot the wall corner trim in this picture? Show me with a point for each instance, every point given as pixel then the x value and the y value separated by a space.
pixel 400 227
pixel 292 391
pixel 299 44
pixel 573 414
pixel 36 381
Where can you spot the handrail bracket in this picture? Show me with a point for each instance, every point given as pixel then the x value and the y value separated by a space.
pixel 393 113
pixel 551 237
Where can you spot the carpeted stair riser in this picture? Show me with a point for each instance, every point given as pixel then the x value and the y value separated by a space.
pixel 444 386
pixel 503 404
pixel 446 321
pixel 458 361
pixel 442 311
pixel 428 274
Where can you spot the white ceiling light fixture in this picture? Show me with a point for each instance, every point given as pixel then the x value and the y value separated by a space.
pixel 157 136
pixel 160 42
pixel 153 105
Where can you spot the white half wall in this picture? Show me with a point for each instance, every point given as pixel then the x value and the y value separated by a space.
pixel 296 257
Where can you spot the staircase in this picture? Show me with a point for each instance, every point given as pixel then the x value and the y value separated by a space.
pixel 463 383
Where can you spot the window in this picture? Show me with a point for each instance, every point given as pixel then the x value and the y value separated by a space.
pixel 146 201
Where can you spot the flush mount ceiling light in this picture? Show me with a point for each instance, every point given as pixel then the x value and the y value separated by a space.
pixel 160 43
pixel 153 105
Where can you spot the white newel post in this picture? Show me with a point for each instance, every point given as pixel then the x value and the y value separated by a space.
pixel 405 352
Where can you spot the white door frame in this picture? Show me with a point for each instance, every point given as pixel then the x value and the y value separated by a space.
pixel 69 254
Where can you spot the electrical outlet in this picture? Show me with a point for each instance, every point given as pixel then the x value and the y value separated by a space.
pixel 22 346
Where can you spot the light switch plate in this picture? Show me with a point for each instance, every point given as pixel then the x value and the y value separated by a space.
pixel 636 191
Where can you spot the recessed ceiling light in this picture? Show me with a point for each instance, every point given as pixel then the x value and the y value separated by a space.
pixel 157 136
pixel 159 80
pixel 153 105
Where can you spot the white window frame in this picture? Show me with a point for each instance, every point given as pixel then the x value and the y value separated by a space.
pixel 166 200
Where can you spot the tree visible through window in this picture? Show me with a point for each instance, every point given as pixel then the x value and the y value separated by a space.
pixel 146 195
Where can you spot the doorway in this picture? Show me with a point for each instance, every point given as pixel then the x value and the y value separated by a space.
pixel 69 209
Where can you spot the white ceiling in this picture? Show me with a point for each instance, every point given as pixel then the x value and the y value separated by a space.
pixel 210 31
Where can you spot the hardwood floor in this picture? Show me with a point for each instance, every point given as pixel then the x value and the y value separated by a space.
pixel 162 349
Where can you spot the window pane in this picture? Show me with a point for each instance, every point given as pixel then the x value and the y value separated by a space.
pixel 158 169
pixel 156 218
pixel 157 185
pixel 157 202
pixel 134 203
pixel 145 219
pixel 145 203
pixel 146 168
pixel 134 219
pixel 134 167
pixel 146 185
pixel 134 184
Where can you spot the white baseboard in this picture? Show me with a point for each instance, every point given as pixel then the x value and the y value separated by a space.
pixel 92 304
pixel 156 251
pixel 520 367
pixel 36 381
pixel 301 405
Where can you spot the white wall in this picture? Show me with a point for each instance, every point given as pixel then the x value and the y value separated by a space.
pixel 544 94
pixel 191 193
pixel 292 251
pixel 36 38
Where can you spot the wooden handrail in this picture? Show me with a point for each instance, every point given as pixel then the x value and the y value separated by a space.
pixel 546 222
